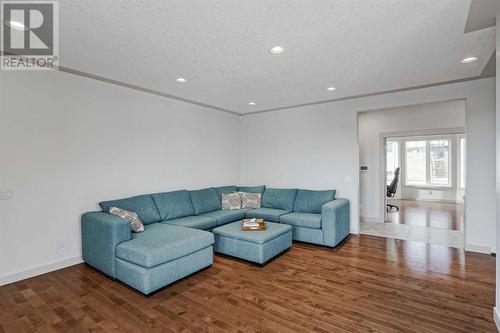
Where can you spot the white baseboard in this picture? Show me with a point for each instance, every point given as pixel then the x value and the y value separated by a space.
pixel 478 248
pixel 496 317
pixel 436 200
pixel 367 219
pixel 39 270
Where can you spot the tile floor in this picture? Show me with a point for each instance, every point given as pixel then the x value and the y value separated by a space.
pixel 428 222
pixel 437 236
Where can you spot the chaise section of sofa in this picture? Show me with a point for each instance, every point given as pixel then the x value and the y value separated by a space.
pixel 152 259
pixel 161 255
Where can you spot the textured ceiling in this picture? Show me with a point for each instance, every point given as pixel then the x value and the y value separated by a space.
pixel 222 47
pixel 482 14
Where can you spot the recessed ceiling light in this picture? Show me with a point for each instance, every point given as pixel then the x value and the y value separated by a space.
pixel 16 25
pixel 181 80
pixel 277 50
pixel 330 89
pixel 468 60
pixel 252 103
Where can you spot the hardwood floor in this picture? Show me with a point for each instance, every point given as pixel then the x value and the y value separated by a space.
pixel 444 215
pixel 369 284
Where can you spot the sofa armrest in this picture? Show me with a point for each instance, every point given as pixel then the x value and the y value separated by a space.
pixel 101 233
pixel 335 216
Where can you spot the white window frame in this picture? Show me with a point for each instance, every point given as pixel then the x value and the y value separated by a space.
pixel 405 151
pixel 427 140
pixel 399 143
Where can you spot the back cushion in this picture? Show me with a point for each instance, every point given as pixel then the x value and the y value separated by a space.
pixel 252 189
pixel 279 198
pixel 225 190
pixel 142 205
pixel 206 200
pixel 309 201
pixel 173 205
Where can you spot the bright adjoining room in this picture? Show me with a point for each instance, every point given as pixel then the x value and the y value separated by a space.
pixel 413 171
pixel 249 166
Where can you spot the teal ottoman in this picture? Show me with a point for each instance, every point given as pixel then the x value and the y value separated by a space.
pixel 255 246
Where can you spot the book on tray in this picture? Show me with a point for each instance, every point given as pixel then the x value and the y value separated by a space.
pixel 253 224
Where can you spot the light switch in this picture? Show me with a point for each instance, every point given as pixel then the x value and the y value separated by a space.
pixel 347 179
pixel 6 195
pixel 60 244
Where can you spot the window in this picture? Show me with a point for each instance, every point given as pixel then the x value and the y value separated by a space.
pixel 416 157
pixel 392 160
pixel 428 162
pixel 439 158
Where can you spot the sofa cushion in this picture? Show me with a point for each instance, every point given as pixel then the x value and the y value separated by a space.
pixel 308 201
pixel 279 198
pixel 142 205
pixel 252 189
pixel 173 205
pixel 161 243
pixel 196 222
pixel 225 190
pixel 268 214
pixel 226 216
pixel 307 220
pixel 205 200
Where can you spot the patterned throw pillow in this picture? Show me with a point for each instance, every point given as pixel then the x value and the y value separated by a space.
pixel 250 200
pixel 135 221
pixel 231 201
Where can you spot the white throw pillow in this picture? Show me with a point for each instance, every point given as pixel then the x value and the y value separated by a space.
pixel 250 200
pixel 231 201
pixel 135 222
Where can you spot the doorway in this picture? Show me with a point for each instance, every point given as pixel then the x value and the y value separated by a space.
pixel 430 137
pixel 423 187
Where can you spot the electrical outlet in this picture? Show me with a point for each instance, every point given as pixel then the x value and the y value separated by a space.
pixel 6 195
pixel 60 244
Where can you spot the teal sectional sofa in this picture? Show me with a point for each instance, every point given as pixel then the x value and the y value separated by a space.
pixel 177 240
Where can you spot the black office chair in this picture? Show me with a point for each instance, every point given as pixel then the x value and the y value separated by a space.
pixel 392 188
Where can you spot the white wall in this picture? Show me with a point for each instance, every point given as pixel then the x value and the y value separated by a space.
pixel 316 146
pixel 312 147
pixel 68 142
pixel 422 117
